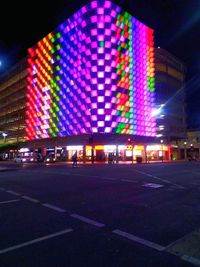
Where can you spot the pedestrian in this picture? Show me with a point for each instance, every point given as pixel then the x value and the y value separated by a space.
pixel 74 159
pixel 110 157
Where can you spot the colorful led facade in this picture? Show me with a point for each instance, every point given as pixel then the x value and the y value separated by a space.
pixel 93 74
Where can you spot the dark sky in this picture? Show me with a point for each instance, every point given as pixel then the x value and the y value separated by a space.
pixel 176 24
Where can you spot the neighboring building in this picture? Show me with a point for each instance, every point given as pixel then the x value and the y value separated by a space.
pixel 189 148
pixel 91 89
pixel 170 82
pixel 13 104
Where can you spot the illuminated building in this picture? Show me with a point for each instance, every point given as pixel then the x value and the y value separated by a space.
pixel 91 86
pixel 93 74
pixel 12 104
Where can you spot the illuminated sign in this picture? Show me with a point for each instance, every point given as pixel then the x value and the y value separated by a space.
pixel 157 147
pixel 99 147
pixel 138 147
pixel 74 147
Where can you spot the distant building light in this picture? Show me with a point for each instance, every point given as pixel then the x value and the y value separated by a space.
pixel 161 127
pixel 155 112
pixel 158 46
pixel 159 135
pixel 23 150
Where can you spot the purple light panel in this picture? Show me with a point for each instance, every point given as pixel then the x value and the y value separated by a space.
pixel 93 74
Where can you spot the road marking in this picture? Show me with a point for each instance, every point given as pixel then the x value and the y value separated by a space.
pixel 13 192
pixel 150 175
pixel 160 179
pixel 9 201
pixel 152 185
pixel 192 260
pixel 187 247
pixel 87 220
pixel 53 207
pixel 35 241
pixel 139 240
pixel 31 199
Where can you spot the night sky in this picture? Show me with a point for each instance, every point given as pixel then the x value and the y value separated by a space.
pixel 176 24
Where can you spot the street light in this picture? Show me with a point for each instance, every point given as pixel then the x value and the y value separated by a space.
pixel 161 141
pixel 91 142
pixel 4 136
pixel 185 150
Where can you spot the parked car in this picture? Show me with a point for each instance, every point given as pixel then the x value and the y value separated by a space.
pixel 21 159
pixel 18 159
pixel 50 158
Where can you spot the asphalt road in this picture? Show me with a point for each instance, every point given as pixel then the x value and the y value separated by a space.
pixel 140 215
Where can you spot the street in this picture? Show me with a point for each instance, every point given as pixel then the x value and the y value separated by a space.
pixel 54 215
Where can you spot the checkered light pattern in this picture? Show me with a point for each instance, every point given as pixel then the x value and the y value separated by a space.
pixel 93 74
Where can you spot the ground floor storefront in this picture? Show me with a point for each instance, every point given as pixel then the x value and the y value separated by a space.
pixel 98 153
pixel 94 148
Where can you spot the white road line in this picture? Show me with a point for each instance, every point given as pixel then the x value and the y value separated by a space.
pixel 139 240
pixel 9 201
pixel 87 220
pixel 192 260
pixel 13 192
pixel 53 207
pixel 150 175
pixel 35 241
pixel 31 199
pixel 160 179
pixel 152 185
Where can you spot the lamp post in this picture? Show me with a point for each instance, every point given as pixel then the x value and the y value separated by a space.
pixel 185 150
pixel 4 136
pixel 161 141
pixel 91 142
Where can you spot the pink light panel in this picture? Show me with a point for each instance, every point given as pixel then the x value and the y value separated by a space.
pixel 94 73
